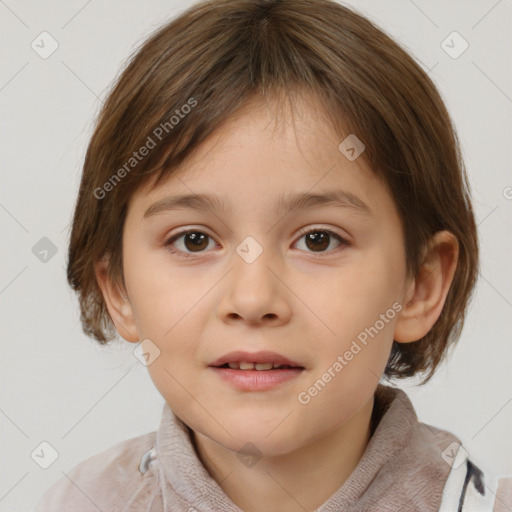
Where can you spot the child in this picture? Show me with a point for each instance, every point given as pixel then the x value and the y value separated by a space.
pixel 274 204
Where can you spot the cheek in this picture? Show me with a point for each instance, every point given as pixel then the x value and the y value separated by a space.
pixel 361 308
pixel 360 292
pixel 166 303
pixel 162 294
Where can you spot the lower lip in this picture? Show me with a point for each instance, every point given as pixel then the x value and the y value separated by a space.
pixel 256 380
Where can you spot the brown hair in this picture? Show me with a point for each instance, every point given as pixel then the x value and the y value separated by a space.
pixel 199 69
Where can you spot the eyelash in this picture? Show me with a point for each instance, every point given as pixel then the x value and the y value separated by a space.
pixel 176 236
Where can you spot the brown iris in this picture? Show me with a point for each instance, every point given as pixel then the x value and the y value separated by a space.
pixel 317 240
pixel 196 240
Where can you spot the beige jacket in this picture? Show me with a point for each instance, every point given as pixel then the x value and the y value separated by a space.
pixel 405 467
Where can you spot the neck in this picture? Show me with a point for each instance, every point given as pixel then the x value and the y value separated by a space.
pixel 300 480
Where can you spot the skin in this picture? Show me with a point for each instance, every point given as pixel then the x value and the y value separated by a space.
pixel 305 303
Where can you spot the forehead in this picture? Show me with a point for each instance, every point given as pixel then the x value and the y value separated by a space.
pixel 263 155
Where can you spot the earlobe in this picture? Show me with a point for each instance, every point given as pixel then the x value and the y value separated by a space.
pixel 426 294
pixel 117 302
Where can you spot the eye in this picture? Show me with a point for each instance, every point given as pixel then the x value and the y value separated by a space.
pixel 193 241
pixel 317 239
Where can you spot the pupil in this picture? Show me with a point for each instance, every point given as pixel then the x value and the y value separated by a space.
pixel 317 240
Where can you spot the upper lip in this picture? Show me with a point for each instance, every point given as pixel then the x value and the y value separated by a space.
pixel 254 357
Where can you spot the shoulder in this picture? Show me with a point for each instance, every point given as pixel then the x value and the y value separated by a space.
pixel 438 463
pixel 101 482
pixel 503 501
pixel 475 488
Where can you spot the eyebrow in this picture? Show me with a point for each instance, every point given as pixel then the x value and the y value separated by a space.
pixel 285 204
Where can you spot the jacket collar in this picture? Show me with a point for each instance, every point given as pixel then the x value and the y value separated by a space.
pixel 402 458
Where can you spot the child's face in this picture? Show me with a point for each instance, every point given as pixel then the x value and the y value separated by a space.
pixel 305 299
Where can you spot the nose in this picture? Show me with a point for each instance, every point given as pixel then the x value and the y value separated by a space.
pixel 255 293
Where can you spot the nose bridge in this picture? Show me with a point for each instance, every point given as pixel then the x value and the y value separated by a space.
pixel 251 267
pixel 253 292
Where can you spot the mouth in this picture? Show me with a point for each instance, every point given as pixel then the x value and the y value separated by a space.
pixel 257 371
pixel 258 366
pixel 259 361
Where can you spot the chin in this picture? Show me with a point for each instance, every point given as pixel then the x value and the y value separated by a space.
pixel 250 437
pixel 261 446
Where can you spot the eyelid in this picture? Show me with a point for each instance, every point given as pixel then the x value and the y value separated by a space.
pixel 185 231
pixel 312 227
pixel 302 231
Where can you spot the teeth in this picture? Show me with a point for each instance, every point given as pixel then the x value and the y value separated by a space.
pixel 243 365
pixel 263 366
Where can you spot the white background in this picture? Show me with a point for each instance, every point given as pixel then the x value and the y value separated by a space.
pixel 59 386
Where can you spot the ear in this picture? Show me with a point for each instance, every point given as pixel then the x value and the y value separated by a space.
pixel 426 293
pixel 117 303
